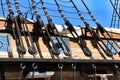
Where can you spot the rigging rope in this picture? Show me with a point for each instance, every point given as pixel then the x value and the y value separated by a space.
pixel 92 31
pixel 115 18
pixel 11 19
pixel 66 6
pixel 52 27
pixel 43 29
pixel 114 8
pixel 48 3
pixel 31 46
pixel 102 30
pixel 82 44
pixel 64 1
pixel 30 7
pixel 29 10
pixel 2 8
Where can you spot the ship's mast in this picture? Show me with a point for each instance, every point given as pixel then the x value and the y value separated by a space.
pixel 115 22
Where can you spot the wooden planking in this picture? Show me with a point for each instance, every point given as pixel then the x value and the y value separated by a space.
pixel 44 53
pixel 77 52
pixel 115 33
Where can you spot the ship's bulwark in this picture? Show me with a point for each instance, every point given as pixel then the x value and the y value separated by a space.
pixel 84 67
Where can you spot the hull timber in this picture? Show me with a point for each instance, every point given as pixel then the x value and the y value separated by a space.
pixel 10 62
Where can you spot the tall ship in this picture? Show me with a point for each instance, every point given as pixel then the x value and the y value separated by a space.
pixel 54 40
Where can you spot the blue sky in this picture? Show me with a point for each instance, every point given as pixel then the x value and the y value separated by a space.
pixel 101 9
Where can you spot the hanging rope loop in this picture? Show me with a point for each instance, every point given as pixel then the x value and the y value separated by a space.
pixel 34 65
pixel 94 66
pixel 116 66
pixel 22 66
pixel 73 66
pixel 74 71
pixel 60 66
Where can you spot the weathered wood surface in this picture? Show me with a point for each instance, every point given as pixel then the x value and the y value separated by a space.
pixel 77 53
pixel 12 60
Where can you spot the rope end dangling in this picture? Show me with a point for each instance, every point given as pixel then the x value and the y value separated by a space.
pixel 22 66
pixel 94 66
pixel 60 66
pixel 34 66
pixel 74 70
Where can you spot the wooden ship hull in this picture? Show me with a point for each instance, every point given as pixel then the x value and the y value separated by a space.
pixel 78 65
pixel 39 50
